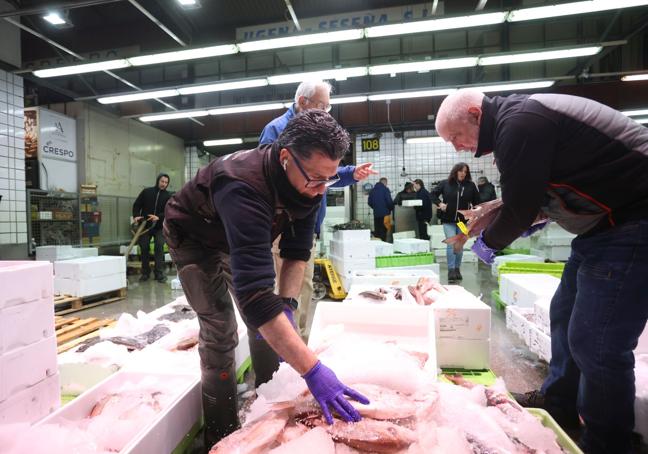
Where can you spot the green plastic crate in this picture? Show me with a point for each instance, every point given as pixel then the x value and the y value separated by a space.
pixel 563 439
pixel 554 269
pixel 499 303
pixel 389 261
pixel 484 377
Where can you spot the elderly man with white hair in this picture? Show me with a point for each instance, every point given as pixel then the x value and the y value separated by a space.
pixel 311 94
pixel 585 166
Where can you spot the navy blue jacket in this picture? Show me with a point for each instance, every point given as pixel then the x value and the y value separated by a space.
pixel 380 200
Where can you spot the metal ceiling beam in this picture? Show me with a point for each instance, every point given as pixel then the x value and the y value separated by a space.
pixel 157 22
pixel 56 7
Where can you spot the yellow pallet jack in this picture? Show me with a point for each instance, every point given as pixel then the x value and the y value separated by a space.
pixel 334 287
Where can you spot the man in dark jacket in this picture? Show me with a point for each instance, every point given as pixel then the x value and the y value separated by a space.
pixel 220 228
pixel 584 165
pixel 380 201
pixel 486 190
pixel 149 207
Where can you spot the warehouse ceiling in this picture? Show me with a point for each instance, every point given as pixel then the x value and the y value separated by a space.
pixel 101 30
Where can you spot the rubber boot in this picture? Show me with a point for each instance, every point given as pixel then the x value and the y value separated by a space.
pixel 265 361
pixel 220 406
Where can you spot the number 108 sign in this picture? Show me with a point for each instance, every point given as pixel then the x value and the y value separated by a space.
pixel 372 144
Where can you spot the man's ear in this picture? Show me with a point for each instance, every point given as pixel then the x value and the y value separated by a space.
pixel 283 155
pixel 474 115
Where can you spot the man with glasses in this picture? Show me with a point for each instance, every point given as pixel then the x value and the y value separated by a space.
pixel 220 227
pixel 311 94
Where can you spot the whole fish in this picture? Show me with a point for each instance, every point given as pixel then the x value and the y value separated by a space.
pixel 478 218
pixel 182 312
pixel 378 296
pixel 256 437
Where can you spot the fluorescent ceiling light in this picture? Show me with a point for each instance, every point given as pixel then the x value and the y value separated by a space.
pixel 54 19
pixel 426 65
pixel 412 94
pixel 641 120
pixel 174 115
pixel 474 20
pixel 246 108
pixel 541 55
pixel 188 2
pixel 515 86
pixel 138 96
pixel 301 40
pixel 182 55
pixel 219 142
pixel 339 74
pixel 568 9
pixel 223 86
pixel 635 113
pixel 635 77
pixel 347 99
pixel 83 68
pixel 432 139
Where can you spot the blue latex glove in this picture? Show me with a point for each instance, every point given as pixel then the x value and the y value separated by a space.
pixel 289 313
pixel 533 229
pixel 329 392
pixel 485 253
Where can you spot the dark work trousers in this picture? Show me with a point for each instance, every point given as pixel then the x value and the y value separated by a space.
pixel 205 276
pixel 421 227
pixel 597 315
pixel 380 231
pixel 158 253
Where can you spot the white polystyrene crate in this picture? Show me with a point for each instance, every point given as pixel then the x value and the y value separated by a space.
pixel 412 203
pixel 502 259
pixel 540 343
pixel 26 366
pixel 53 253
pixel 390 276
pixel 405 234
pixel 524 289
pixel 434 267
pixel 469 257
pixel 642 345
pixel 641 396
pixel 26 324
pixel 346 267
pixel 519 321
pixel 32 404
pixel 24 281
pixel 382 248
pixel 352 235
pixel 436 241
pixel 459 314
pixel 411 246
pixel 408 324
pixel 389 292
pixel 353 249
pixel 87 251
pixel 463 353
pixel 541 312
pixel 162 434
pixel 123 249
pixel 440 255
pixel 90 267
pixel 521 243
pixel 88 287
pixel 555 253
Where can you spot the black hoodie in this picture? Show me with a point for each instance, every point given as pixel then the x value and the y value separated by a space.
pixel 152 201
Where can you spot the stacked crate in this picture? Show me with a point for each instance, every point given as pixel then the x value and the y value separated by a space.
pixel 29 381
pixel 90 275
pixel 553 243
pixel 351 250
pixel 90 215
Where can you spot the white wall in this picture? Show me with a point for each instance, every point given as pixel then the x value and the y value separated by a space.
pixel 13 225
pixel 429 162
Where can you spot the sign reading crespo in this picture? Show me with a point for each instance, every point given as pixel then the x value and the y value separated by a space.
pixel 57 137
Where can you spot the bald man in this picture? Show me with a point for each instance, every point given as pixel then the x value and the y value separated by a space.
pixel 585 166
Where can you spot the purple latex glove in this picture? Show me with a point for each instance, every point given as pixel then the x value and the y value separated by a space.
pixel 485 253
pixel 289 313
pixel 533 229
pixel 329 392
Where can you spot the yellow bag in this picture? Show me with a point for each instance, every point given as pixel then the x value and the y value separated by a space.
pixel 387 221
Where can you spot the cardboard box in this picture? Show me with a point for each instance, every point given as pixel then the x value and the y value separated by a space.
pixel 24 281
pixel 33 403
pixel 90 267
pixel 524 289
pixel 26 366
pixel 160 435
pixel 25 324
pixel 411 246
pixel 352 249
pixel 459 314
pixel 463 354
pixel 352 235
pixel 89 287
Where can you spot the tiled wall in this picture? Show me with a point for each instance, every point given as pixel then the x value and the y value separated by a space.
pixel 13 223
pixel 429 162
pixel 193 162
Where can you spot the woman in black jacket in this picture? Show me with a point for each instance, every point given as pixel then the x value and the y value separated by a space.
pixel 424 212
pixel 458 193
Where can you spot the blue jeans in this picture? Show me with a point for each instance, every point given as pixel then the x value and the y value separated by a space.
pixel 597 316
pixel 454 259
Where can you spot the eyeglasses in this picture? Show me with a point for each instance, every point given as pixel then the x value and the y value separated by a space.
pixel 319 104
pixel 311 183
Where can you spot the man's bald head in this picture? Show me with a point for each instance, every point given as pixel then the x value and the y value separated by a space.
pixel 459 118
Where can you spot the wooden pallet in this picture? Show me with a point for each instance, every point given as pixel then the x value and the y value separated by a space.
pixel 79 303
pixel 71 331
